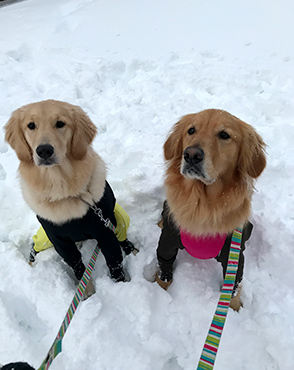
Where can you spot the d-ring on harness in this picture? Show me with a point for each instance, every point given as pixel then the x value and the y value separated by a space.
pixel 212 341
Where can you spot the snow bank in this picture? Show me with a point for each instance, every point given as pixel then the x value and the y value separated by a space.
pixel 135 68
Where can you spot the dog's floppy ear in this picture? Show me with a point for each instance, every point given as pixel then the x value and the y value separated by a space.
pixel 252 160
pixel 15 137
pixel 84 133
pixel 173 146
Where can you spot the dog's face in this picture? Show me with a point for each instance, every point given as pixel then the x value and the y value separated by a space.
pixel 213 144
pixel 47 132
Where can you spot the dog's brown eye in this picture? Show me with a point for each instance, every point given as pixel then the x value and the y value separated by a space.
pixel 191 131
pixel 31 125
pixel 224 135
pixel 60 124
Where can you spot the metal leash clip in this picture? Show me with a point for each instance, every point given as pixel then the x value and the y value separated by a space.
pixel 98 212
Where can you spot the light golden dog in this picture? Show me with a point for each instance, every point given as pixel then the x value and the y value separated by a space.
pixel 212 160
pixel 63 180
pixel 58 166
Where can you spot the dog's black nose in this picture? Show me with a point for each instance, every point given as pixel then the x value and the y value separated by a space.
pixel 193 155
pixel 45 151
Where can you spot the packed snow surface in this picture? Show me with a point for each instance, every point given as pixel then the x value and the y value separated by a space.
pixel 136 67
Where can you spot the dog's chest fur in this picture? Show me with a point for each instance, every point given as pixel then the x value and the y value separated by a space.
pixel 61 193
pixel 202 210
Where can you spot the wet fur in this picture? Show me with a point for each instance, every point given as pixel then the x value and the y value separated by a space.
pixel 55 192
pixel 220 200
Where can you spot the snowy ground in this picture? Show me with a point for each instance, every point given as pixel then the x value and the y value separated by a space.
pixel 136 67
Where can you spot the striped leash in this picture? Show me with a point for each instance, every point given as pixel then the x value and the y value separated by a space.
pixel 56 347
pixel 213 338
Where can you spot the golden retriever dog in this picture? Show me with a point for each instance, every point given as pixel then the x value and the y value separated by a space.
pixel 57 164
pixel 63 179
pixel 212 160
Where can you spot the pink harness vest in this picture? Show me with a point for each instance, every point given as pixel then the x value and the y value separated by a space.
pixel 203 247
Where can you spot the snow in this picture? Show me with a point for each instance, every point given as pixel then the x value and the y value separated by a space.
pixel 135 67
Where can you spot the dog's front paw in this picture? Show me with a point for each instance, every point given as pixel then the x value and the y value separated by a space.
pixel 236 303
pixel 164 284
pixel 118 274
pixel 128 247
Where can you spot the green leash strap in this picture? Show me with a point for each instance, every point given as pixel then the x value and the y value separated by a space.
pixel 213 338
pixel 56 347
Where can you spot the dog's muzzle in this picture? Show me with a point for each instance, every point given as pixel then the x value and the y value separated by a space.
pixel 192 162
pixel 46 155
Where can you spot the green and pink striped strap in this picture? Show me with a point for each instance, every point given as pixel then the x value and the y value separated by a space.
pixel 56 347
pixel 213 338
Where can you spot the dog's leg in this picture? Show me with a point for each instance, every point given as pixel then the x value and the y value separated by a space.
pixel 90 290
pixel 167 249
pixel 236 303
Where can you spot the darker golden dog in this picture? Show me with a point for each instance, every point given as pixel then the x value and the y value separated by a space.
pixel 212 160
